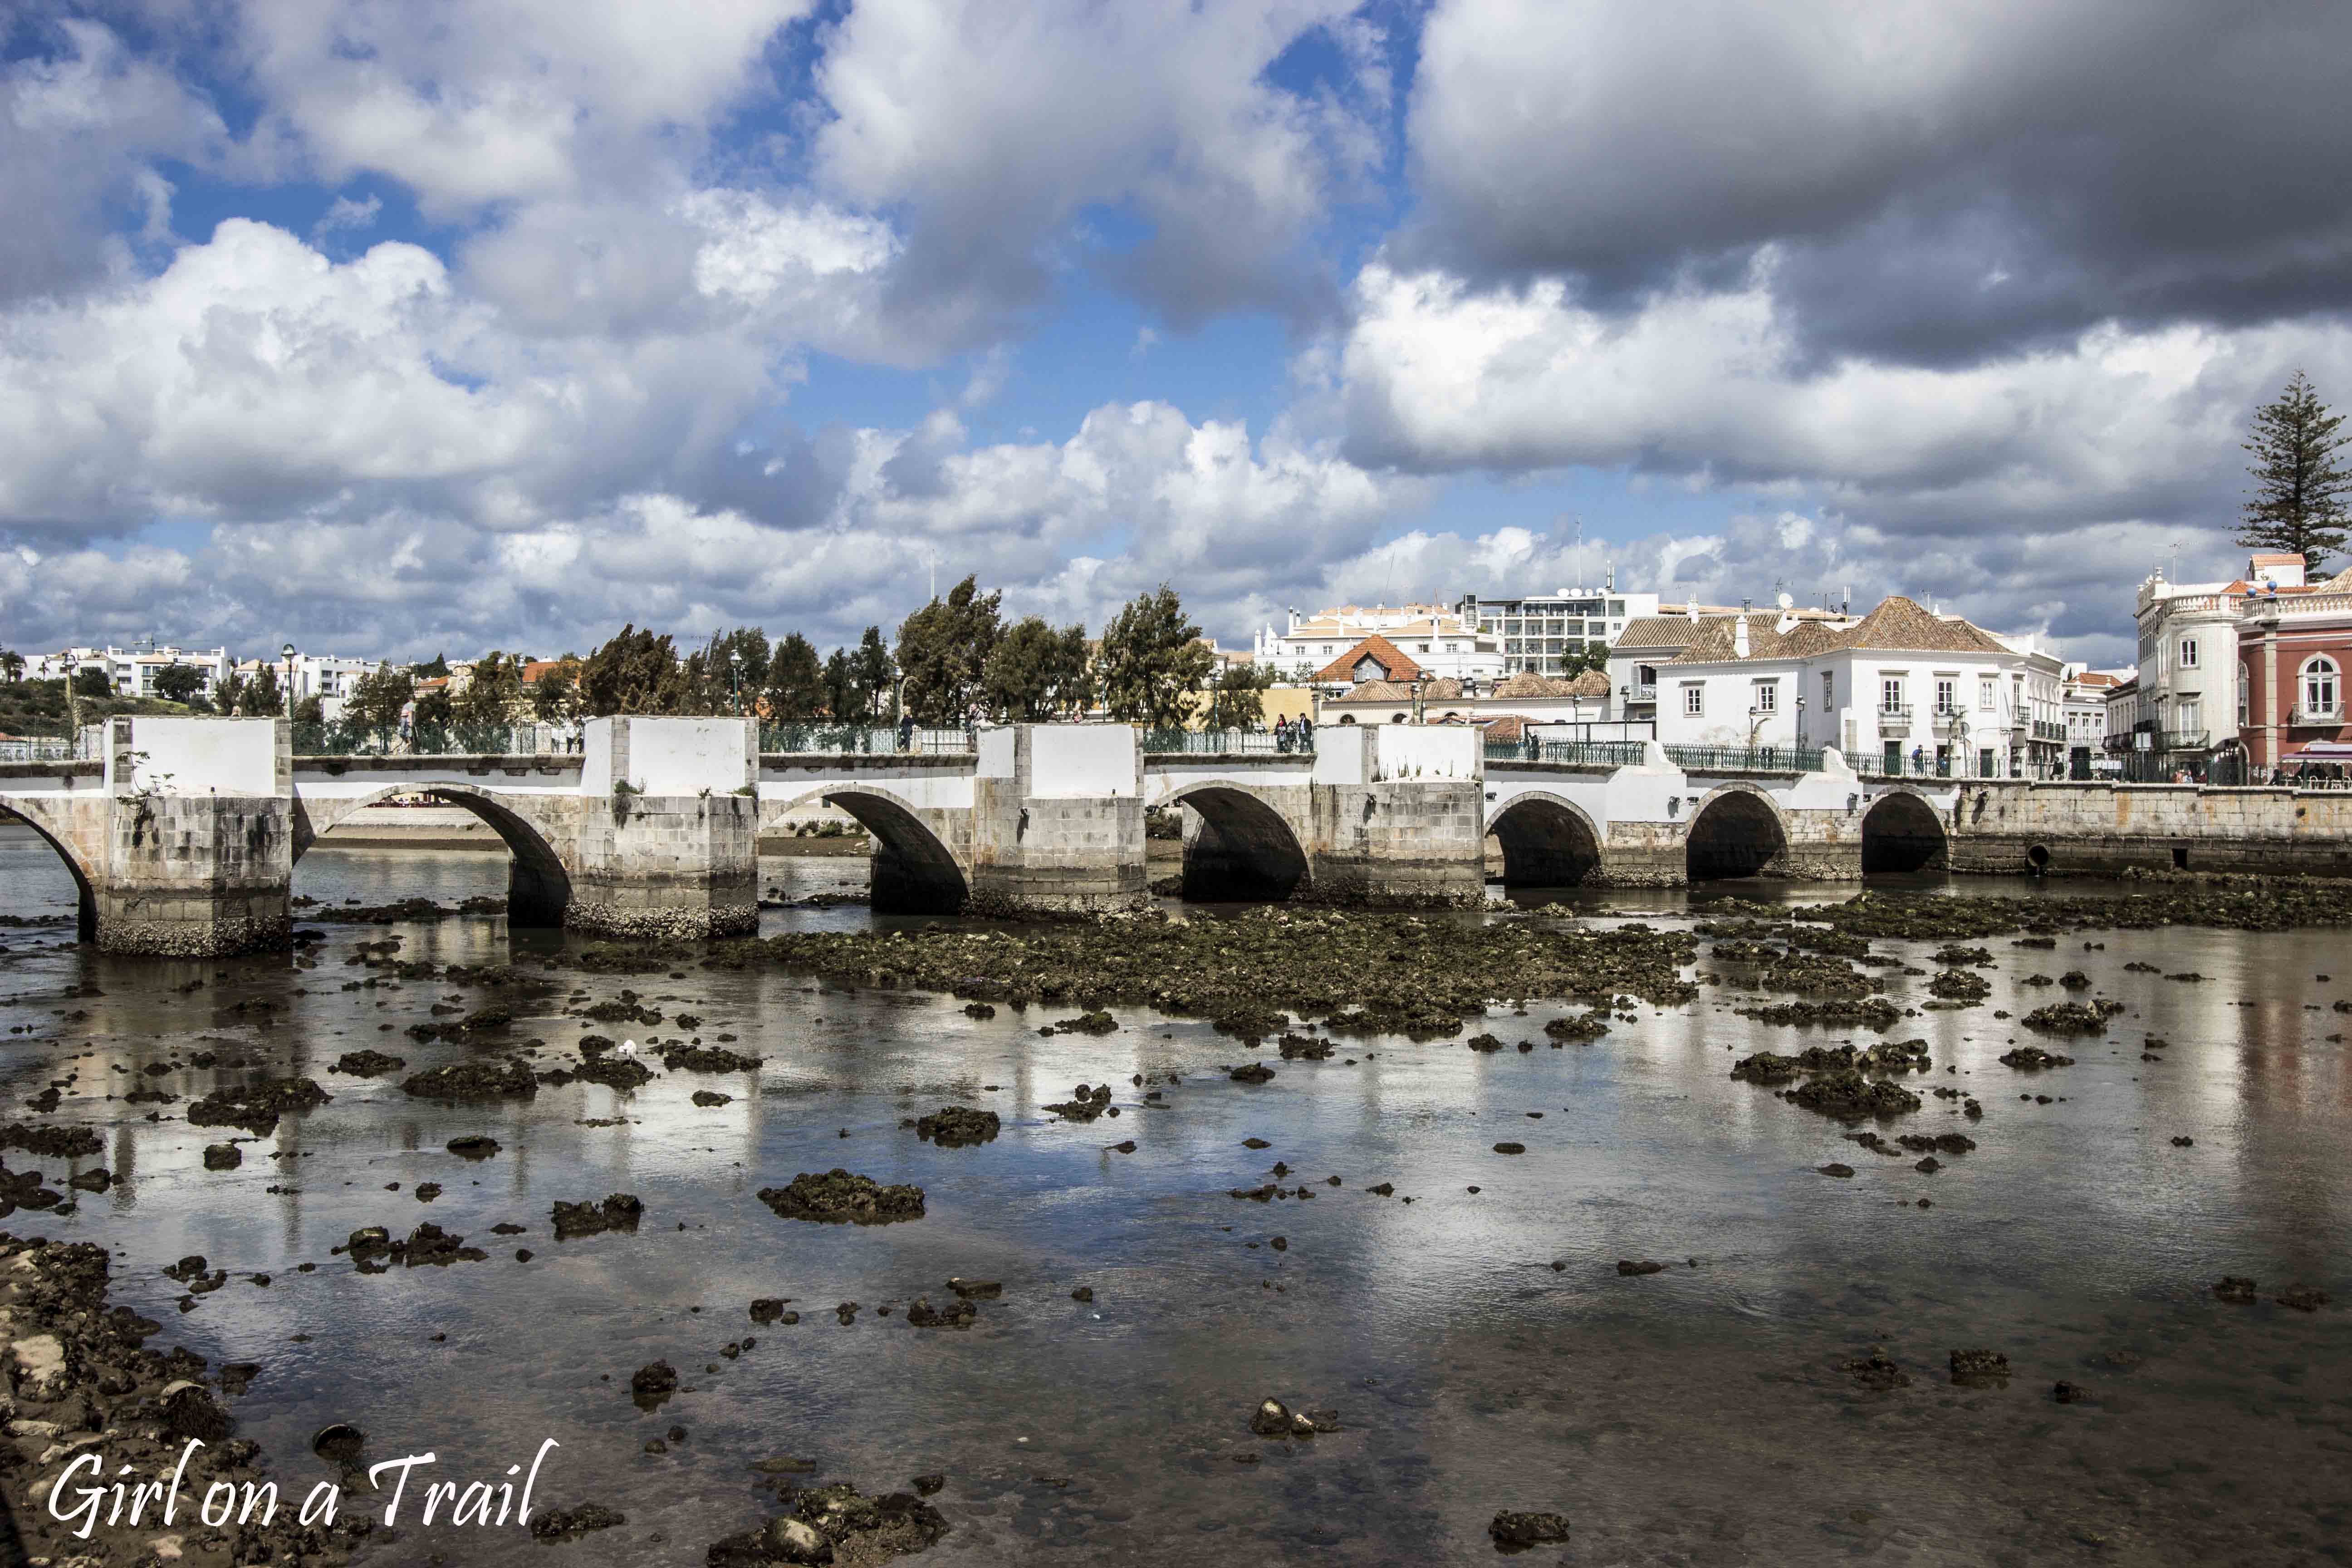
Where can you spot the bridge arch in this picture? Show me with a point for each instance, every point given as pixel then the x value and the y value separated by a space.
pixel 1242 848
pixel 85 895
pixel 1736 831
pixel 1548 841
pixel 539 884
pixel 1901 832
pixel 914 870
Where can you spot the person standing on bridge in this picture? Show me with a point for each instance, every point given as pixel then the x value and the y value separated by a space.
pixel 906 731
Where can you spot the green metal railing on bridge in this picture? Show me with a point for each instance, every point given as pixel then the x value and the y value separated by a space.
pixel 335 738
pixel 1228 742
pixel 1570 753
pixel 860 739
pixel 1745 759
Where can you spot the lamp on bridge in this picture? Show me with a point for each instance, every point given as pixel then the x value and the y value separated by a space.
pixel 735 666
pixel 288 651
pixel 1417 699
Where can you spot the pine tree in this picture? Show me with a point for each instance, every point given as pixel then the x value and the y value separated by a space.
pixel 1153 660
pixel 2301 486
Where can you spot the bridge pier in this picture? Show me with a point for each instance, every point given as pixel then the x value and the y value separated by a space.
pixel 194 835
pixel 666 830
pixel 1398 817
pixel 1057 821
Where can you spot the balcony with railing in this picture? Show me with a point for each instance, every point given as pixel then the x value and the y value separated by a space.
pixel 2300 716
pixel 2049 730
pixel 1895 718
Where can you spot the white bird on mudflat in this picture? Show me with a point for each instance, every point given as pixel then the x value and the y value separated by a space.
pixel 628 1047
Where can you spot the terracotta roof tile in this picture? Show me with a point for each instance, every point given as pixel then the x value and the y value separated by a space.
pixel 1380 651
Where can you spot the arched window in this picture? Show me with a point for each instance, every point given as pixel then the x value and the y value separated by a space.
pixel 2242 697
pixel 2319 688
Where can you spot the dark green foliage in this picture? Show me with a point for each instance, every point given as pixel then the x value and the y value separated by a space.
pixel 179 682
pixel 262 697
pixel 91 683
pixel 795 680
pixel 2301 484
pixel 873 672
pixel 1237 701
pixel 1036 673
pixel 1152 660
pixel 944 649
pixel 376 701
pixel 635 672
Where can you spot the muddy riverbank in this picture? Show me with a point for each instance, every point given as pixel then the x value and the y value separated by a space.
pixel 1487 1198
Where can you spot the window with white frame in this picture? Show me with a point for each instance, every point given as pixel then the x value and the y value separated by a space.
pixel 1947 693
pixel 1694 698
pixel 2242 697
pixel 1828 689
pixel 1768 696
pixel 1988 693
pixel 1890 694
pixel 2188 653
pixel 2319 687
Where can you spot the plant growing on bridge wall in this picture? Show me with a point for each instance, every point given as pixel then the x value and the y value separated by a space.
pixel 1152 661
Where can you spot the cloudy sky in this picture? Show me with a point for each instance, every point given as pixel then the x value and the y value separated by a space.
pixel 391 326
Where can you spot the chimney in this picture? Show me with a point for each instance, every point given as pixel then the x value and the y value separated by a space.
pixel 1740 637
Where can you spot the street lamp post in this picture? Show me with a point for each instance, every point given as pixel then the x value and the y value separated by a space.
pixel 735 667
pixel 1416 700
pixel 288 651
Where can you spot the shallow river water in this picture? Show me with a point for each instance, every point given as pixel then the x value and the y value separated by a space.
pixel 1479 1346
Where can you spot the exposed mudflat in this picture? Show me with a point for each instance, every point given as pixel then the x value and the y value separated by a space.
pixel 1579 1292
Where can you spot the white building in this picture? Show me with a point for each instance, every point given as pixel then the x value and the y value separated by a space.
pixel 131 672
pixel 2186 700
pixel 1901 690
pixel 1442 644
pixel 2085 704
pixel 1539 632
pixel 330 678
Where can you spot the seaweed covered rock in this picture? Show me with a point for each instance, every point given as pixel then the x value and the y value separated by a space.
pixel 1979 1367
pixel 1849 1096
pixel 1085 1105
pixel 1523 1531
pixel 1584 1029
pixel 2033 1058
pixel 506 1078
pixel 619 1211
pixel 705 1058
pixel 2073 1017
pixel 958 1126
pixel 1959 985
pixel 839 1198
pixel 368 1063
pixel 256 1107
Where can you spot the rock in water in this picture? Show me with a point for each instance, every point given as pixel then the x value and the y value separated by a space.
pixel 1520 1532
pixel 840 1196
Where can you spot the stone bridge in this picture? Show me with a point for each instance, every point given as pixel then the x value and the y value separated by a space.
pixel 183 840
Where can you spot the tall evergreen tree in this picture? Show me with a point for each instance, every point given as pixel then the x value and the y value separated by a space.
pixel 943 647
pixel 874 674
pixel 377 700
pixel 2301 484
pixel 262 697
pixel 1237 700
pixel 841 694
pixel 1152 660
pixel 636 672
pixel 1036 673
pixel 795 679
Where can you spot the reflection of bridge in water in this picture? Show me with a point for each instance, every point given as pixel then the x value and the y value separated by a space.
pixel 183 839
